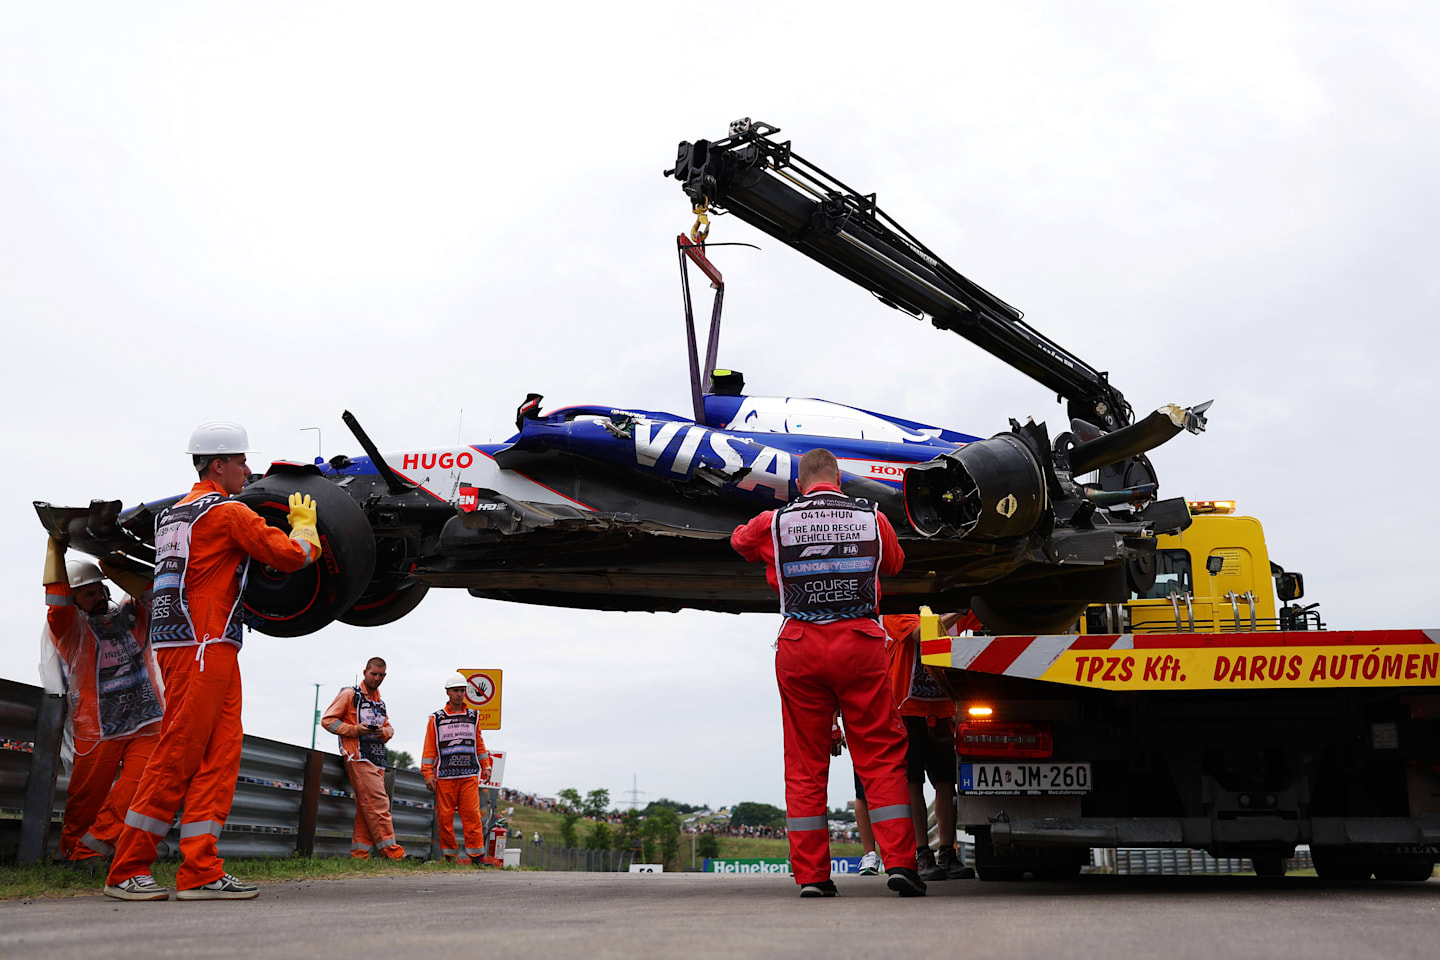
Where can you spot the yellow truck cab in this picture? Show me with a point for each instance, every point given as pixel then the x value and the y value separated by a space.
pixel 1214 577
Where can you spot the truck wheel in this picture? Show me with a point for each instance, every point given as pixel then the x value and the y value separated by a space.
pixel 1268 866
pixel 1028 620
pixel 377 607
pixel 295 604
pixel 1405 871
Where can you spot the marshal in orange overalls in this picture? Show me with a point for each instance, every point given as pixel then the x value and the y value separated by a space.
pixel 454 752
pixel 119 742
pixel 349 717
pixel 198 757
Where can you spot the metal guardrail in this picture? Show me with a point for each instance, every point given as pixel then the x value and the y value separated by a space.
pixel 1175 861
pixel 288 799
pixel 546 857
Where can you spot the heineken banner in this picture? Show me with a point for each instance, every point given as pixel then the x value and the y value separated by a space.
pixel 776 865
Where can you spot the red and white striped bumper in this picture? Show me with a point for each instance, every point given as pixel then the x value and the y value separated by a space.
pixel 1188 661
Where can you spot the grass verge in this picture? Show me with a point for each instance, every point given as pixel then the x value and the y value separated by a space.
pixel 36 882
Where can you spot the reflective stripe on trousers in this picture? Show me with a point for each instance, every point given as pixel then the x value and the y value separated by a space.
pixel 807 823
pixel 99 846
pixel 138 820
pixel 198 828
pixel 895 811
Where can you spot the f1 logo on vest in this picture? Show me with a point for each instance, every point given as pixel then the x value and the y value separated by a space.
pixel 819 550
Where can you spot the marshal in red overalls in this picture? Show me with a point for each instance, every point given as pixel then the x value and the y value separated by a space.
pixel 825 552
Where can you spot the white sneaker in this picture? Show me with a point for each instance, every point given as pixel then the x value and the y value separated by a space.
pixel 226 888
pixel 870 864
pixel 142 887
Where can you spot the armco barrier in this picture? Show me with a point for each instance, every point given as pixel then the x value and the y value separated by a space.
pixel 1175 861
pixel 288 799
pixel 543 856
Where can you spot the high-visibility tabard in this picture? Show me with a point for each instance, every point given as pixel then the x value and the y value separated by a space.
pixel 371 713
pixel 455 744
pixel 1187 661
pixel 827 557
pixel 124 683
pixel 170 624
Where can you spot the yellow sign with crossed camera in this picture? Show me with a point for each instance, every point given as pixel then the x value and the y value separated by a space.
pixel 482 694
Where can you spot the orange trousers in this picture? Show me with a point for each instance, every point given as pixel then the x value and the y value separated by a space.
pixel 96 800
pixel 194 764
pixel 462 793
pixel 373 826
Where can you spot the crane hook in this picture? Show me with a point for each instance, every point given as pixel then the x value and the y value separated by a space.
pixel 701 230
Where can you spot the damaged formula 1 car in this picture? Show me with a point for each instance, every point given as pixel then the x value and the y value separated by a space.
pixel 620 509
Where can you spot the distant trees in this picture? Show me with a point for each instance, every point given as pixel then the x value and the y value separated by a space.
pixel 600 837
pixel 750 814
pixel 629 835
pixel 675 805
pixel 661 836
pixel 596 803
pixel 570 805
pixel 399 759
pixel 708 845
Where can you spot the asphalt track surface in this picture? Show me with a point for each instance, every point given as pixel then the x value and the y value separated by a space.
pixel 558 915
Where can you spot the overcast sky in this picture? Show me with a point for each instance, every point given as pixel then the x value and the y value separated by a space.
pixel 271 212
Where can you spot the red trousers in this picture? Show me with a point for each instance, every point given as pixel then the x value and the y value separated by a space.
pixel 841 665
pixel 462 793
pixel 373 826
pixel 194 764
pixel 96 801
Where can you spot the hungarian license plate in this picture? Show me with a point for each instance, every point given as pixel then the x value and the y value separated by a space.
pixel 1024 777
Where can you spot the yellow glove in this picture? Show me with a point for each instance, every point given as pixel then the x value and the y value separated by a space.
pixel 54 562
pixel 302 521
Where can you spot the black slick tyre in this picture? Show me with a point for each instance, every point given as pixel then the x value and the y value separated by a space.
pixel 299 603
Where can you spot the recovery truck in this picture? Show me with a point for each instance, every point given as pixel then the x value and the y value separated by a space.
pixel 1198 715
pixel 1182 708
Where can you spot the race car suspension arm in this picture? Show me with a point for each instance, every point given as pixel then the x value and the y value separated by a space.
pixel 393 483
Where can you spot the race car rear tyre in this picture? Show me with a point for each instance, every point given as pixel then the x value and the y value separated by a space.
pixel 299 603
pixel 377 607
pixel 1027 620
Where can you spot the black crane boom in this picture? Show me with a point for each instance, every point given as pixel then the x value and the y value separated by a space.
pixel 762 181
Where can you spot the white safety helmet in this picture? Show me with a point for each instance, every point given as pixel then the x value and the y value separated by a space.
pixel 219 438
pixel 82 573
pixel 455 680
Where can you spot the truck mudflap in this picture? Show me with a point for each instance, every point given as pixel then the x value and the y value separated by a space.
pixel 1192 661
pixel 1388 835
